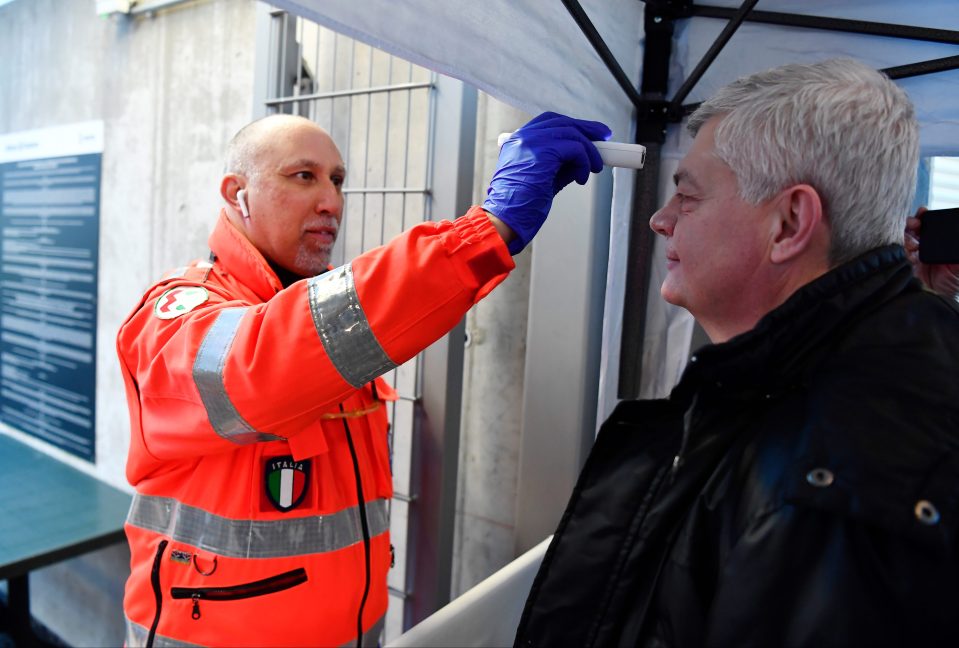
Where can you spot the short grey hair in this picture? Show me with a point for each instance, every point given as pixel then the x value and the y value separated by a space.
pixel 839 126
pixel 241 152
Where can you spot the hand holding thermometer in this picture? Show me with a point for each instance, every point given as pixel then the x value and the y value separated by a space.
pixel 618 154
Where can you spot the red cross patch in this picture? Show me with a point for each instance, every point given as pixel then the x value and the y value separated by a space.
pixel 177 301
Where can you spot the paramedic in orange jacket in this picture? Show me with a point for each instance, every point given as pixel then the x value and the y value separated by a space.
pixel 259 449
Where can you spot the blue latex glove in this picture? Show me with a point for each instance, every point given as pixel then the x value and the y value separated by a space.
pixel 536 162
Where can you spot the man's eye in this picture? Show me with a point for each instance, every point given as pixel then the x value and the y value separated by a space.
pixel 685 200
pixel 337 181
pixel 304 175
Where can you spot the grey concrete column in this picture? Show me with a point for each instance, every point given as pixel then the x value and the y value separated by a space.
pixel 563 342
pixel 492 392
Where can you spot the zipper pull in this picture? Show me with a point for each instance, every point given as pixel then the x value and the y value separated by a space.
pixel 196 607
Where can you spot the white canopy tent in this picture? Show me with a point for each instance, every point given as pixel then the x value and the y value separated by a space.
pixel 534 56
pixel 624 62
pixel 528 54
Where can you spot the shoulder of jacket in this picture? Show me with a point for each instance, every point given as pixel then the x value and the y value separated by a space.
pixel 913 319
pixel 198 271
pixel 195 275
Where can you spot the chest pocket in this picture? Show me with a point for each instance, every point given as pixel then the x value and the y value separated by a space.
pixel 920 503
pixel 362 419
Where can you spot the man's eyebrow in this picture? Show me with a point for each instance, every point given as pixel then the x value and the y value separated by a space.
pixel 681 175
pixel 303 162
pixel 313 164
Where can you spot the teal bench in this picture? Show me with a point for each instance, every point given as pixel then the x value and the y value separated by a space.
pixel 49 511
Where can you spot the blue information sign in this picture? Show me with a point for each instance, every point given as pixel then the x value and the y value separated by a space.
pixel 49 218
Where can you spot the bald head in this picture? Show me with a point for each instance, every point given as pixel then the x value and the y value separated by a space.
pixel 283 190
pixel 252 143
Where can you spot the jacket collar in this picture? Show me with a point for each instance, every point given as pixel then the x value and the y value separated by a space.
pixel 772 354
pixel 237 256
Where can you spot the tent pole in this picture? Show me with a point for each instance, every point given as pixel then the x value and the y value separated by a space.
pixel 923 67
pixel 834 24
pixel 651 121
pixel 596 40
pixel 735 21
pixel 638 264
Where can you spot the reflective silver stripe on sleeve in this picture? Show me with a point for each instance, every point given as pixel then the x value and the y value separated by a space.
pixel 136 637
pixel 208 376
pixel 343 328
pixel 256 538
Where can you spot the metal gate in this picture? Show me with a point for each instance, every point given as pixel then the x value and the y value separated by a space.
pixel 386 114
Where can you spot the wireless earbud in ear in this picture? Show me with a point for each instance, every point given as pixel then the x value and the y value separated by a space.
pixel 241 198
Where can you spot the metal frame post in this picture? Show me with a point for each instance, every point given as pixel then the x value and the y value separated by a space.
pixel 652 117
pixel 437 423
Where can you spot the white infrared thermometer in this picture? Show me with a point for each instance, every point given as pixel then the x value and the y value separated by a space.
pixel 617 154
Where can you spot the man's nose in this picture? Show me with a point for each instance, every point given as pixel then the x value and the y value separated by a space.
pixel 663 220
pixel 330 199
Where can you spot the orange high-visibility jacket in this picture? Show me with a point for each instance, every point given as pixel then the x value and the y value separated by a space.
pixel 259 449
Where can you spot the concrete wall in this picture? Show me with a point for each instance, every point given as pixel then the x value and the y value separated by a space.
pixel 171 89
pixel 492 392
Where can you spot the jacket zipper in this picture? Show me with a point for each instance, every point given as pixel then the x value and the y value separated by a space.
pixel 361 501
pixel 687 430
pixel 157 592
pixel 269 585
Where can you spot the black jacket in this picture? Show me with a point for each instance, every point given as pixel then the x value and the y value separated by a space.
pixel 800 486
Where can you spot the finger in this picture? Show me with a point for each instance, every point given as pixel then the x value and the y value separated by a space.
pixel 581 175
pixel 542 117
pixel 546 121
pixel 562 141
pixel 581 145
pixel 593 130
pixel 592 154
pixel 577 155
pixel 595 160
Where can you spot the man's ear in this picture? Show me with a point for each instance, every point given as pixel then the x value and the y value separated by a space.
pixel 229 186
pixel 801 225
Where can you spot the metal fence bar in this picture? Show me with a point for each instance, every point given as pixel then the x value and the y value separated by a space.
pixel 326 84
pixel 333 94
pixel 406 157
pixel 386 149
pixel 388 190
pixel 366 156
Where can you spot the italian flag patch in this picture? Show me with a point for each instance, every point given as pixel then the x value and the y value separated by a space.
pixel 286 482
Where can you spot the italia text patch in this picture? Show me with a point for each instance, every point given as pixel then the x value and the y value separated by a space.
pixel 177 301
pixel 286 482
